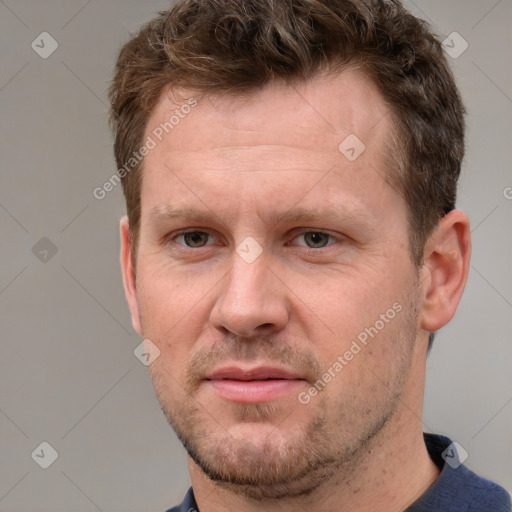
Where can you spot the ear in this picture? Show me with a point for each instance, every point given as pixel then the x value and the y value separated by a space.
pixel 128 272
pixel 445 270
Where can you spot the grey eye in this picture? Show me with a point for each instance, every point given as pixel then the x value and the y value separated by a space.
pixel 316 239
pixel 195 238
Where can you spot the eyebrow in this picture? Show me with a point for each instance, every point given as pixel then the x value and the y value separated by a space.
pixel 294 215
pixel 162 212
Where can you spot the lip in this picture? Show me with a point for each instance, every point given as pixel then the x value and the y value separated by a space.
pixel 253 385
pixel 256 373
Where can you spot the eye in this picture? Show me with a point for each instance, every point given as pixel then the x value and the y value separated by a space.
pixel 314 239
pixel 193 239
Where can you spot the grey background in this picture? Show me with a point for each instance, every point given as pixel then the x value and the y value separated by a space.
pixel 68 374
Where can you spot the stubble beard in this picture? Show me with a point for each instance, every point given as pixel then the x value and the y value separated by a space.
pixel 287 463
pixel 273 467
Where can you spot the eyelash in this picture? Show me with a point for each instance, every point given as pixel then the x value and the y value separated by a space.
pixel 332 239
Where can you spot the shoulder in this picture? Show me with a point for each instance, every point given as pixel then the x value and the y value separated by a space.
pixel 187 505
pixel 457 488
pixel 485 495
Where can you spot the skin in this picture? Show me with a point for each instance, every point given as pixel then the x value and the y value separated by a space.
pixel 243 163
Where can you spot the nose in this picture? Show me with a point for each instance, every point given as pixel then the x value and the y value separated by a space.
pixel 252 301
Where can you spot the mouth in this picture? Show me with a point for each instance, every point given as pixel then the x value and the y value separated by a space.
pixel 253 385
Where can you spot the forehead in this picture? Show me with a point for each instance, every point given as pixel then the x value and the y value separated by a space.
pixel 329 104
pixel 212 141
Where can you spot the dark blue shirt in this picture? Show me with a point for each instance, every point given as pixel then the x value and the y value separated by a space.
pixel 457 489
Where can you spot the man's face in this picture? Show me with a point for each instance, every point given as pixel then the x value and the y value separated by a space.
pixel 267 252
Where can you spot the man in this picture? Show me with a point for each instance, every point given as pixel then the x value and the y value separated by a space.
pixel 291 246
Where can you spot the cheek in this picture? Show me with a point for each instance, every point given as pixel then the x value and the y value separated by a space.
pixel 355 309
pixel 173 310
pixel 350 301
pixel 166 293
pixel 370 363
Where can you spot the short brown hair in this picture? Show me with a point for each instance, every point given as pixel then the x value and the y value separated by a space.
pixel 237 46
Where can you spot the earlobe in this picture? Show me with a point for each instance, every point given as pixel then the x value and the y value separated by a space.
pixel 128 272
pixel 446 266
